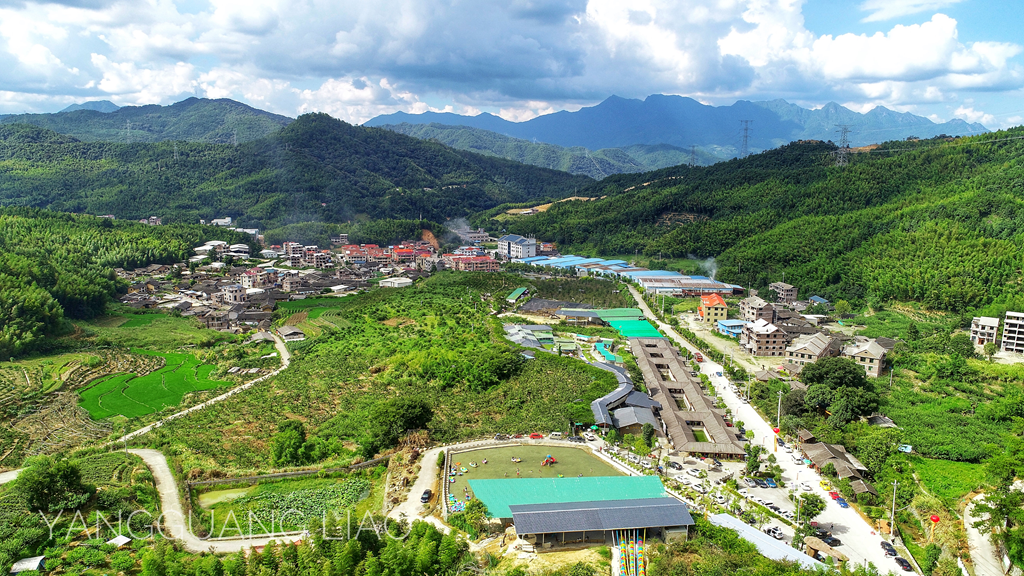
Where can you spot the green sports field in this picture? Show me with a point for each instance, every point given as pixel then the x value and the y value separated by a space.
pixel 133 396
pixel 571 463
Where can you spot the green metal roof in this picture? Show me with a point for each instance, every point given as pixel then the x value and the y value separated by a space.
pixel 619 314
pixel 635 329
pixel 516 294
pixel 499 494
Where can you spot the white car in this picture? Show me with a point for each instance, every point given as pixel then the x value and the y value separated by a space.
pixel 555 436
pixel 720 499
pixel 788 448
pixel 744 492
pixel 700 488
pixel 805 487
pixel 693 472
pixel 634 458
pixel 590 437
pixel 683 480
pixel 646 464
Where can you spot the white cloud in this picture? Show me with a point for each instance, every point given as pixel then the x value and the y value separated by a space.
pixel 972 115
pixel 882 10
pixel 136 85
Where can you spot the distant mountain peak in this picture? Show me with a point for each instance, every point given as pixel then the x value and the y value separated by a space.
pixel 104 106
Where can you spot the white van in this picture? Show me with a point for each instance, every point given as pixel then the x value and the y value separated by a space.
pixel 555 436
pixel 798 459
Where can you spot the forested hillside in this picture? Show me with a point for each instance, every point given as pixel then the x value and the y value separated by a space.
pixel 55 265
pixel 940 222
pixel 193 120
pixel 316 169
pixel 575 160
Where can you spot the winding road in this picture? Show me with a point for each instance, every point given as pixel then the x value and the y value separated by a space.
pixel 983 552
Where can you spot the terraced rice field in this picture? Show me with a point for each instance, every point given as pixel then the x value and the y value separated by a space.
pixel 132 396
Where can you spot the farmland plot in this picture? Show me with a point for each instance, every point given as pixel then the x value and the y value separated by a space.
pixel 132 396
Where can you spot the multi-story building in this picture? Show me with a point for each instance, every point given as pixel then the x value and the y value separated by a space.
pixel 234 294
pixel 712 309
pixel 320 260
pixel 475 264
pixel 809 349
pixel 786 292
pixel 1013 333
pixel 753 309
pixel 516 246
pixel 764 339
pixel 984 329
pixel 870 355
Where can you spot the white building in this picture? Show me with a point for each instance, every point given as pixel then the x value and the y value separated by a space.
pixel 221 221
pixel 984 329
pixel 869 355
pixel 1013 333
pixel 234 294
pixel 395 282
pixel 516 246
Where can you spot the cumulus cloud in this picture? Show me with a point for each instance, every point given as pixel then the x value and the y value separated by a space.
pixel 972 115
pixel 881 10
pixel 519 58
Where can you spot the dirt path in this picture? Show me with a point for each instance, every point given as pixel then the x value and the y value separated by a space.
pixel 412 509
pixel 175 525
pixel 10 476
pixel 983 552
pixel 282 351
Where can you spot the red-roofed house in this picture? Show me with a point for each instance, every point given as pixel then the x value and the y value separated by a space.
pixel 712 309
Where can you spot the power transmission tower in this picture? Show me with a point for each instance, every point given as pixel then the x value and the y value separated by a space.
pixel 693 155
pixel 842 155
pixel 128 132
pixel 234 138
pixel 175 152
pixel 746 138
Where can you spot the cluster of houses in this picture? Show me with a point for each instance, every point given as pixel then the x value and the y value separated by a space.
pixel 779 330
pixel 985 329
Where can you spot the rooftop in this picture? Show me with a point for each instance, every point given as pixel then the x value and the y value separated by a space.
pixel 500 493
pixel 600 515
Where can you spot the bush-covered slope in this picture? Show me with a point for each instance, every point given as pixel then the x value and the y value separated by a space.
pixel 193 120
pixel 576 160
pixel 315 169
pixel 941 222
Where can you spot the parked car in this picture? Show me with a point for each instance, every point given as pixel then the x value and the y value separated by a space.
pixel 779 441
pixel 771 482
pixel 720 499
pixel 718 464
pixel 500 437
pixel 797 459
pixel 675 465
pixel 902 563
pixel 590 437
pixel 761 483
pixel 719 374
pixel 555 436
pixel 825 485
pixel 683 480
pixel 805 486
pixel 833 495
pixel 821 532
pixel 832 541
pixel 694 472
pixel 577 439
pixel 646 464
pixel 774 532
pixel 633 458
pixel 425 497
pixel 743 492
pixel 842 503
pixel 750 482
pixel 536 436
pixel 889 552
pixel 788 449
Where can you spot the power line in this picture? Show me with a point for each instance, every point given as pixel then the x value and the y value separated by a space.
pixel 842 154
pixel 746 138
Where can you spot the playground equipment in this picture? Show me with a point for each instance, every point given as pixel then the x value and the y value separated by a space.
pixel 632 552
pixel 549 460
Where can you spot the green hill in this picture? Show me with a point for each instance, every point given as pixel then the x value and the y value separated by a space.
pixel 575 160
pixel 316 169
pixel 939 222
pixel 192 120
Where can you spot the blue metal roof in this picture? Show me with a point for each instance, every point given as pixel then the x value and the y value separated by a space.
pixel 651 273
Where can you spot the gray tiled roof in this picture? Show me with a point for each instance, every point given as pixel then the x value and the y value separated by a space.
pixel 631 415
pixel 603 515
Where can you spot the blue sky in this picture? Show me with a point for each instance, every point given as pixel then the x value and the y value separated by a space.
pixel 518 58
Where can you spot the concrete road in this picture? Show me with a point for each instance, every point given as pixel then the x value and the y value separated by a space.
pixel 412 509
pixel 175 525
pixel 983 552
pixel 285 361
pixel 9 476
pixel 860 542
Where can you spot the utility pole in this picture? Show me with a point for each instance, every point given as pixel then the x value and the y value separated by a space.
pixel 746 138
pixel 842 155
pixel 892 518
pixel 778 415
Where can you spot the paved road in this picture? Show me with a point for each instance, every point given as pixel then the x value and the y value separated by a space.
pixel 285 360
pixel 9 476
pixel 983 552
pixel 173 520
pixel 412 509
pixel 860 543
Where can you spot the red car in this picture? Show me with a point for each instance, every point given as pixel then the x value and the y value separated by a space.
pixel 536 436
pixel 834 495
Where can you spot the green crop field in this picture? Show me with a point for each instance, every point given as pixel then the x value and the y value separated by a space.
pixel 139 320
pixel 133 396
pixel 315 306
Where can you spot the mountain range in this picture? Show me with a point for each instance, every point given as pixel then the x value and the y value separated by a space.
pixel 684 122
pixel 191 120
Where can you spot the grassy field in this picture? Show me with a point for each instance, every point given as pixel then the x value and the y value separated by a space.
pixel 139 320
pixel 150 332
pixel 571 462
pixel 282 505
pixel 133 396
pixel 894 322
pixel 949 481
